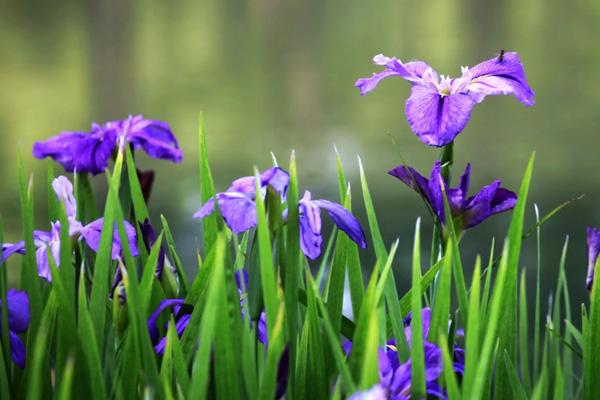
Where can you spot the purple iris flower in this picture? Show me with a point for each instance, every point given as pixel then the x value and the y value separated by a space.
pixel 91 151
pixel 90 233
pixel 237 203
pixel 310 224
pixel 182 314
pixel 466 211
pixel 439 107
pixel 395 378
pixel 593 243
pixel 18 322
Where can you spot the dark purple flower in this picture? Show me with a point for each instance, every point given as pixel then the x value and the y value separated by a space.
pixel 18 322
pixel 466 211
pixel 593 243
pixel 182 314
pixel 439 107
pixel 310 224
pixel 395 378
pixel 237 203
pixel 91 151
pixel 89 233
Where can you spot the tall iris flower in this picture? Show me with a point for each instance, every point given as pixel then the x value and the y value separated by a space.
pixel 439 107
pixel 46 242
pixel 593 243
pixel 18 322
pixel 91 151
pixel 237 203
pixel 395 378
pixel 310 224
pixel 466 211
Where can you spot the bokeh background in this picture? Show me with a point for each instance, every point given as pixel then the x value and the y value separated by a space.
pixel 272 76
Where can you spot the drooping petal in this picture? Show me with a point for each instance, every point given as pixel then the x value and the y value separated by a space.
pixel 93 152
pixel 163 305
pixel 180 326
pixel 41 258
pixel 503 200
pixel 479 207
pixel 154 137
pixel 413 179
pixel 500 76
pixel 60 148
pixel 491 200
pixel 18 310
pixel 245 185
pixel 17 347
pixel 344 220
pixel 437 119
pixel 8 249
pixel 593 244
pixel 237 209
pixel 239 212
pixel 91 234
pixel 64 191
pixel 310 227
pixel 277 178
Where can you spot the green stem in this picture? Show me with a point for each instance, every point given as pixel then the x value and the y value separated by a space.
pixel 446 159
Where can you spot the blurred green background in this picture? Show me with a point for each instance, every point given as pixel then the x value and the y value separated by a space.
pixel 278 75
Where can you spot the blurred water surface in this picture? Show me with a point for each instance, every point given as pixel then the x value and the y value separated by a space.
pixel 275 76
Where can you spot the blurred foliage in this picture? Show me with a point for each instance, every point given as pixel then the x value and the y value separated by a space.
pixel 273 75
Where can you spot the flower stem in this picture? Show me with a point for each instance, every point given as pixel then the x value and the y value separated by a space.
pixel 446 159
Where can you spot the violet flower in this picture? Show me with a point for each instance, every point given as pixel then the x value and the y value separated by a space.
pixel 593 244
pixel 182 315
pixel 310 224
pixel 91 151
pixel 466 211
pixel 439 107
pixel 18 321
pixel 237 203
pixel 395 378
pixel 90 234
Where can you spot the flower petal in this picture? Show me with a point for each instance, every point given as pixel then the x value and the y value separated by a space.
pixel 344 220
pixel 60 148
pixel 18 310
pixel 93 152
pixel 277 178
pixel 64 191
pixel 437 119
pixel 8 249
pixel 310 227
pixel 154 137
pixel 239 212
pixel 17 347
pixel 479 207
pixel 163 305
pixel 593 243
pixel 495 76
pixel 412 72
pixel 91 234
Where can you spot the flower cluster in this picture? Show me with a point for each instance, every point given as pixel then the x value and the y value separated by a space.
pixel 395 377
pixel 91 151
pixel 238 208
pixel 48 242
